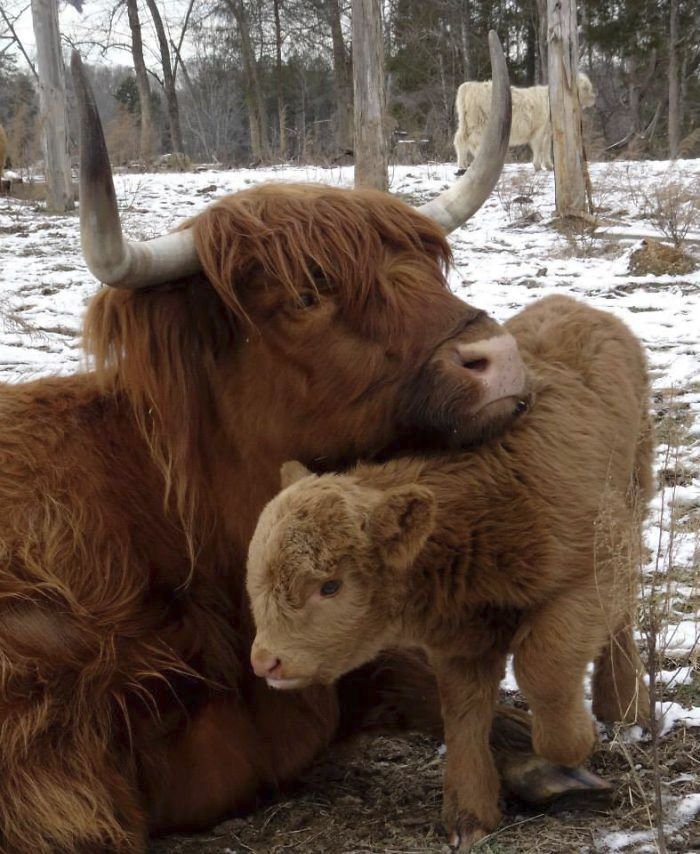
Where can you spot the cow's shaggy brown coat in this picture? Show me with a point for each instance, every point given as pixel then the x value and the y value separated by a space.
pixel 528 544
pixel 322 328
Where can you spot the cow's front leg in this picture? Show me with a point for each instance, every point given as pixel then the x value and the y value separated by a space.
pixel 232 750
pixel 468 693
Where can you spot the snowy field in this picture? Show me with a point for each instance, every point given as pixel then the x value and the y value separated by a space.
pixel 508 255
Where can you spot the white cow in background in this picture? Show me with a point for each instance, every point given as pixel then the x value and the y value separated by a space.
pixel 531 125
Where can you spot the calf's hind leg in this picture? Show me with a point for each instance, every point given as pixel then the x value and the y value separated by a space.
pixel 619 690
pixel 551 657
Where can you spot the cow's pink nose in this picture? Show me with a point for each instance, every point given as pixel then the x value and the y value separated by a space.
pixel 264 663
pixel 497 364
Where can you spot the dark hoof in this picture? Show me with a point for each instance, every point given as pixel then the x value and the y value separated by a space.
pixel 460 172
pixel 558 788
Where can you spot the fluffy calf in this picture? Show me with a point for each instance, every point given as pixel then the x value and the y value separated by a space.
pixel 530 125
pixel 529 545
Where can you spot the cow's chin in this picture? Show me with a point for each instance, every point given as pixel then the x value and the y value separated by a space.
pixel 459 425
pixel 492 419
pixel 291 684
pixel 448 412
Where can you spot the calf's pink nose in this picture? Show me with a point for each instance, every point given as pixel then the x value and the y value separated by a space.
pixel 264 663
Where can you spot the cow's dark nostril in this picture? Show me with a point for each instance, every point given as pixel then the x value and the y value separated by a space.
pixel 479 366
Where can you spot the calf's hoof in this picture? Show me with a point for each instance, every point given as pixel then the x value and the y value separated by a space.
pixel 556 787
pixel 466 832
pixel 460 172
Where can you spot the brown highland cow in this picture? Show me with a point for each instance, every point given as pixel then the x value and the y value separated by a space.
pixel 529 544
pixel 285 321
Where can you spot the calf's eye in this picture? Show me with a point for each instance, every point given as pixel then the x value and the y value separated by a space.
pixel 330 588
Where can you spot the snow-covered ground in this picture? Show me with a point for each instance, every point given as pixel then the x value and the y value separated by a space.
pixel 508 255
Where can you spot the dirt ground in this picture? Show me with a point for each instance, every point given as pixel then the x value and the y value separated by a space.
pixel 382 794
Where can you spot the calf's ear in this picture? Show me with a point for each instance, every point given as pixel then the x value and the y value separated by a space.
pixel 401 523
pixel 291 472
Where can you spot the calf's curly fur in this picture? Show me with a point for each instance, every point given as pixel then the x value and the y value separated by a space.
pixel 529 544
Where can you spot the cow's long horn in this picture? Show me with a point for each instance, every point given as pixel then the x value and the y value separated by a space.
pixel 464 198
pixel 109 257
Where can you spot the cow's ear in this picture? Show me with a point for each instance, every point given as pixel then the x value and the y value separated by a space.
pixel 401 523
pixel 291 472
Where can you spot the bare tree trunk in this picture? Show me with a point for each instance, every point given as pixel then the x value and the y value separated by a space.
pixel 570 171
pixel 542 40
pixel 638 80
pixel 466 39
pixel 301 119
pixel 531 64
pixel 371 160
pixel 633 98
pixel 52 94
pixel 183 31
pixel 342 75
pixel 674 100
pixel 147 138
pixel 168 80
pixel 254 96
pixel 281 108
pixel 195 108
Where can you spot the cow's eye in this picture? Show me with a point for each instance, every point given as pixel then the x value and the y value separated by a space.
pixel 306 299
pixel 330 588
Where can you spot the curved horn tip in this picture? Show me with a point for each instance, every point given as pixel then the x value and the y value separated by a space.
pixel 454 206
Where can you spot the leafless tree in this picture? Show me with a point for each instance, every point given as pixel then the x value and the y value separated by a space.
pixel 342 75
pixel 674 88
pixel 570 171
pixel 371 160
pixel 254 95
pixel 281 108
pixel 52 94
pixel 147 137
pixel 168 79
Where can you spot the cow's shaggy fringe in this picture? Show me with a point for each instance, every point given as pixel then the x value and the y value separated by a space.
pixel 161 349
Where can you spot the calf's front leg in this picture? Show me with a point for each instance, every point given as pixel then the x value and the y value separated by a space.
pixel 468 694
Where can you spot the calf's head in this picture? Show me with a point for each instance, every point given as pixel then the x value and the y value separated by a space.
pixel 328 567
